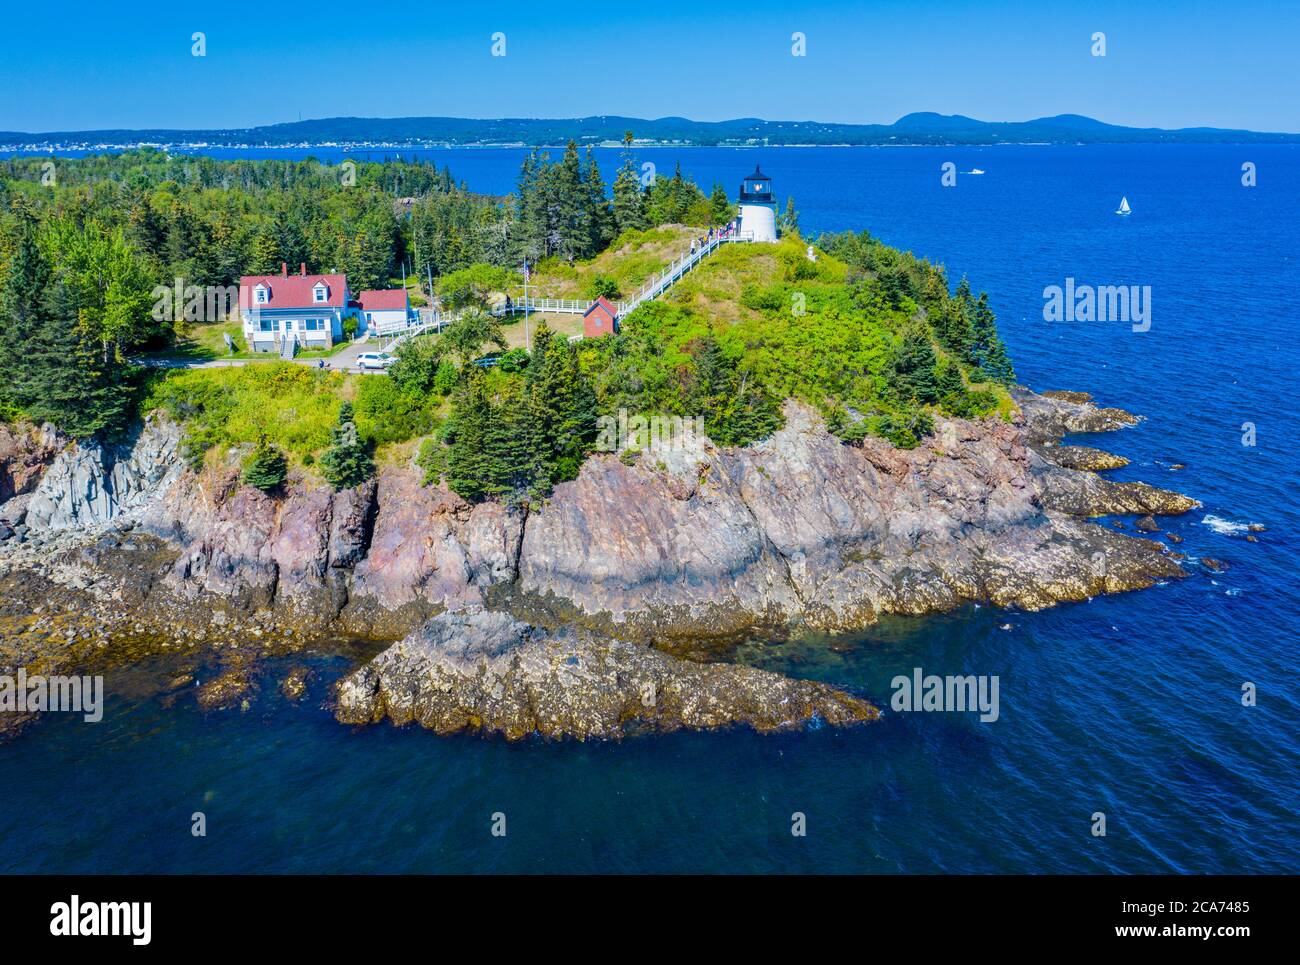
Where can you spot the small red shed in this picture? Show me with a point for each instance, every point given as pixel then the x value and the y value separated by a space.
pixel 600 318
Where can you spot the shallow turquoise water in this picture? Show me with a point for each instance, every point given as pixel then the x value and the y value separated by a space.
pixel 1128 705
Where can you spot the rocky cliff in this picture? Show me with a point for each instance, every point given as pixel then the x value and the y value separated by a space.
pixel 682 546
pixel 800 528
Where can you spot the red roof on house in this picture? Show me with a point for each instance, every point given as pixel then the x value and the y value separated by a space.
pixel 292 291
pixel 389 299
pixel 602 302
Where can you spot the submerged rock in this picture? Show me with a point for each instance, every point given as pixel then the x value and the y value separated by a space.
pixel 294 685
pixel 481 671
pixel 225 690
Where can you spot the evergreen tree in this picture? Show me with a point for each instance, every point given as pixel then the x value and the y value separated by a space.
pixel 73 383
pixel 954 329
pixel 950 381
pixel 601 216
pixel 788 223
pixel 347 463
pixel 266 467
pixel 720 206
pixel 912 365
pixel 735 407
pixel 629 199
pixel 573 226
pixel 24 309
pixel 987 349
pixel 471 470
pixel 563 408
pixel 531 234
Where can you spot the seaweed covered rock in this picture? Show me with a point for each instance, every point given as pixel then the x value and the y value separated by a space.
pixel 481 671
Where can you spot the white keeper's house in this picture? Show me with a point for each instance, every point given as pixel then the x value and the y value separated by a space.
pixel 385 310
pixel 307 310
pixel 286 313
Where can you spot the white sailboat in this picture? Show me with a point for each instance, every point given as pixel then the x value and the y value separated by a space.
pixel 1124 209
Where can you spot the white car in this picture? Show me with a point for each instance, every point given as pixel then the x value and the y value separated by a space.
pixel 375 360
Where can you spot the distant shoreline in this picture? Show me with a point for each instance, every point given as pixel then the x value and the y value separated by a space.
pixel 919 129
pixel 39 150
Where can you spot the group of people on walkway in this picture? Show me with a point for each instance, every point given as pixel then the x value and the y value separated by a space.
pixel 727 230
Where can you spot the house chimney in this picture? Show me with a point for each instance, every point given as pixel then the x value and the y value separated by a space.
pixel 284 269
pixel 302 269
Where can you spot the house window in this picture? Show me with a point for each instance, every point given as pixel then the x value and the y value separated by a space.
pixel 370 317
pixel 288 324
pixel 314 324
pixel 320 292
pixel 259 294
pixel 266 325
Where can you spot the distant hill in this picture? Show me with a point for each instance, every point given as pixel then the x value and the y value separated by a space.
pixel 918 128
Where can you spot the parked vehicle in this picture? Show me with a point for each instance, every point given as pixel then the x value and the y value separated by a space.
pixel 375 360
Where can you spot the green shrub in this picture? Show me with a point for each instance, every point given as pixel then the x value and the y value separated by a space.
pixel 445 379
pixel 292 406
pixel 386 413
pixel 417 364
pixel 603 286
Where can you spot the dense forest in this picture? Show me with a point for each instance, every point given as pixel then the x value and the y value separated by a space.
pixel 871 336
pixel 84 242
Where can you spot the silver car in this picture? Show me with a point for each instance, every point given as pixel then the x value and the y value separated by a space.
pixel 375 360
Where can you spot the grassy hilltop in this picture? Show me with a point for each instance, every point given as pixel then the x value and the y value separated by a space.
pixel 877 340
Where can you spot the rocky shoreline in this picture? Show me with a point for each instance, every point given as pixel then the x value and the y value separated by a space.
pixel 109 553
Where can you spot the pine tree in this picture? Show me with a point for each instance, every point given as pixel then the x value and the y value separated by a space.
pixel 24 309
pixel 531 235
pixel 347 463
pixel 987 349
pixel 563 408
pixel 788 223
pixel 471 472
pixel 73 383
pixel 912 366
pixel 266 467
pixel 629 200
pixel 950 381
pixel 720 206
pixel 265 256
pixel 573 208
pixel 600 215
pixel 736 408
pixel 954 329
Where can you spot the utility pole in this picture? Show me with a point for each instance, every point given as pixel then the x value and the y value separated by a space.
pixel 428 267
pixel 528 342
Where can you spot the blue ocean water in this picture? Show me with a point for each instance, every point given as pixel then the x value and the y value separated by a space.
pixel 1129 705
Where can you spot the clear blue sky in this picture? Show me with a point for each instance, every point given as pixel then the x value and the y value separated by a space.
pixel 81 65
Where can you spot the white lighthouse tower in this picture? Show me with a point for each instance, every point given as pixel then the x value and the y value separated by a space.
pixel 757 207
